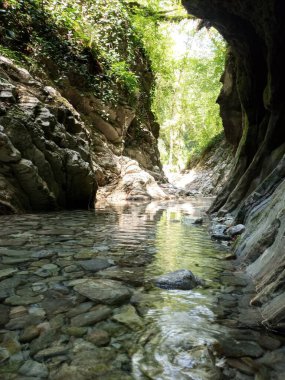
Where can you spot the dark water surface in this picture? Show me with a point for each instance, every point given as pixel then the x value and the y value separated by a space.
pixel 159 334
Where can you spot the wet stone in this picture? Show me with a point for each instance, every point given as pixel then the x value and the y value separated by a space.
pixel 77 332
pixel 47 270
pixel 29 333
pixel 23 300
pixel 236 349
pixel 181 279
pixel 129 317
pixel 55 302
pixel 34 369
pixel 79 309
pixel 4 273
pixel 104 291
pixel 235 230
pixel 51 352
pixel 97 314
pixel 4 314
pixel 94 265
pixel 8 286
pixel 133 276
pixel 99 338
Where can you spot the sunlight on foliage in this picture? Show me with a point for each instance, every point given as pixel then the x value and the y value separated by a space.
pixel 188 65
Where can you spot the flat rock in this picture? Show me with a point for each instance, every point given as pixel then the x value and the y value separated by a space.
pixel 181 279
pixel 23 300
pixel 51 352
pixel 130 275
pixel 94 265
pixel 4 273
pixel 129 317
pixel 99 313
pixel 104 291
pixel 237 349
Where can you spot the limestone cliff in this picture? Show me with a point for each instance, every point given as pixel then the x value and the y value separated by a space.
pixel 253 93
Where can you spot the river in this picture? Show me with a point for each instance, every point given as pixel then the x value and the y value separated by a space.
pixel 78 299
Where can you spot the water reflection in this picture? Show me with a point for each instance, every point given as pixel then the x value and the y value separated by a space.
pixel 141 241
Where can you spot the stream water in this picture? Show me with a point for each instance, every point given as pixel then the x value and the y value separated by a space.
pixel 78 299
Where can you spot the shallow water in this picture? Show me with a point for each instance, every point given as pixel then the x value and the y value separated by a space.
pixel 170 335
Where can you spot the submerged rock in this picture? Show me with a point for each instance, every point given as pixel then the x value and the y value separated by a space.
pixel 181 279
pixel 104 291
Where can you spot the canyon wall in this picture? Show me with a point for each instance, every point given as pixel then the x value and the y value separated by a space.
pixel 252 105
pixel 68 125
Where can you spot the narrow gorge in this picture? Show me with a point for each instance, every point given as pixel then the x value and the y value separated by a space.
pixel 97 248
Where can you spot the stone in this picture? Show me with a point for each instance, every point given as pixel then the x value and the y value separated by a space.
pixel 237 349
pixel 181 279
pixel 75 331
pixel 97 314
pixel 4 314
pixel 104 291
pixel 23 300
pixel 47 270
pixel 221 237
pixel 235 230
pixel 34 369
pixel 130 275
pixel 4 273
pixel 22 322
pixel 55 302
pixel 55 350
pixel 94 265
pixel 4 355
pixel 8 286
pixel 29 333
pixel 129 317
pixel 46 338
pixel 79 309
pixel 99 338
pixel 269 343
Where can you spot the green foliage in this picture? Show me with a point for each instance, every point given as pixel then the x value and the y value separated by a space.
pixel 187 81
pixel 72 33
pixel 125 76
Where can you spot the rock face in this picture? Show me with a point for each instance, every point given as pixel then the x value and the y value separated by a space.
pixel 44 161
pixel 253 92
pixel 211 172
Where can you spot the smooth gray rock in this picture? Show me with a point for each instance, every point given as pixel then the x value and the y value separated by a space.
pixel 181 279
pixel 104 291
pixel 99 313
pixel 236 230
pixel 95 265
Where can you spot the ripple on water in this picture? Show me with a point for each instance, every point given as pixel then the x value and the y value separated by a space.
pixel 159 237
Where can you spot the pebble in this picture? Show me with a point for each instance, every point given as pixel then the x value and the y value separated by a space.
pixel 99 338
pixel 29 333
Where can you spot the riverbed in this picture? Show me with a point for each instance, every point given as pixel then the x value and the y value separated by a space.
pixel 78 298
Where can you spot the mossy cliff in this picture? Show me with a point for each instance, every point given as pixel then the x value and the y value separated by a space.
pixel 74 101
pixel 252 104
